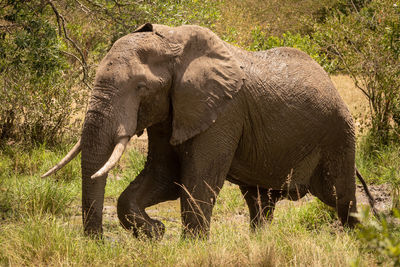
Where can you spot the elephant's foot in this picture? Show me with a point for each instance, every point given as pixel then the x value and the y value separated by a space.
pixel 152 229
pixel 345 213
pixel 94 233
pixel 141 225
pixel 195 231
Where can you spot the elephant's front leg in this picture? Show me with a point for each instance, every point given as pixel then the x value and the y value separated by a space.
pixel 146 190
pixel 205 163
pixel 156 183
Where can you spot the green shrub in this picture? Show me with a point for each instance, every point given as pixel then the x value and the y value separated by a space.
pixel 35 100
pixel 366 42
pixel 382 237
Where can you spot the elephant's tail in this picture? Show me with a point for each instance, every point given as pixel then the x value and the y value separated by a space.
pixel 371 199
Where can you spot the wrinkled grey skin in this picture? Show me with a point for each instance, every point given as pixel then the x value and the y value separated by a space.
pixel 271 122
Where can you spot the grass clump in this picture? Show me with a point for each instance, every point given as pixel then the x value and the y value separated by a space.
pixel 381 166
pixel 22 191
pixel 32 195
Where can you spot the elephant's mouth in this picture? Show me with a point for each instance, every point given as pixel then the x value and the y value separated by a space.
pixel 114 158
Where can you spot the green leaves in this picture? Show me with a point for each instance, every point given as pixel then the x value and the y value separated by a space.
pixel 367 45
pixel 382 237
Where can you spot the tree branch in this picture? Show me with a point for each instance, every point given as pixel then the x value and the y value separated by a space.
pixel 63 31
pixel 356 82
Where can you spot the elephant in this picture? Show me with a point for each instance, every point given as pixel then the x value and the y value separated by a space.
pixel 271 122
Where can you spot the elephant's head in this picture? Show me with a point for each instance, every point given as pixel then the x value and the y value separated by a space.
pixel 157 72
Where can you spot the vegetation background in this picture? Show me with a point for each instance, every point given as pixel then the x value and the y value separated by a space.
pixel 49 51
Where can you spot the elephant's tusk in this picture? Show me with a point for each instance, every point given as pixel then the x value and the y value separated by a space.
pixel 115 156
pixel 71 154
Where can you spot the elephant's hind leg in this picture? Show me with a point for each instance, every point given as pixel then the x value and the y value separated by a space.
pixel 333 183
pixel 261 203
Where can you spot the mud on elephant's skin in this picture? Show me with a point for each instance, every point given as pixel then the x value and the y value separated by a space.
pixel 213 112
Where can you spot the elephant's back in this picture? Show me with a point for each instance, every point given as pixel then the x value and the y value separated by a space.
pixel 296 83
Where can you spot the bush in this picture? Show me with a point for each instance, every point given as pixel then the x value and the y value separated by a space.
pixel 382 237
pixel 275 17
pixel 366 42
pixel 35 100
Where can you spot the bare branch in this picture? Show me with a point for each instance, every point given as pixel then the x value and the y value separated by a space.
pixel 354 6
pixel 83 7
pixel 356 81
pixel 72 55
pixel 117 3
pixel 61 26
pixel 116 19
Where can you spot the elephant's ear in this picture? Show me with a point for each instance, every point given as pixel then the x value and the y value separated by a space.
pixel 148 27
pixel 207 77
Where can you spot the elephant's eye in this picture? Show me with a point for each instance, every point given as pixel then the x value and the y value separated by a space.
pixel 141 86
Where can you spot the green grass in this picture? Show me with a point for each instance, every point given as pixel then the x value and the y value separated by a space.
pixel 40 225
pixel 380 166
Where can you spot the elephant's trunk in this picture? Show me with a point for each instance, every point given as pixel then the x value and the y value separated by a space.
pixel 105 135
pixel 97 143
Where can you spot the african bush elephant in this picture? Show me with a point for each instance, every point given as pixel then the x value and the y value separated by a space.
pixel 271 122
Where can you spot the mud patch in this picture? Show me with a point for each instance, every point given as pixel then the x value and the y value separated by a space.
pixel 381 194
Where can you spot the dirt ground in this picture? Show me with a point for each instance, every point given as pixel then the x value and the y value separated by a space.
pixel 381 194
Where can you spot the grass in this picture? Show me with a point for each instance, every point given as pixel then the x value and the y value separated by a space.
pixel 274 17
pixel 41 225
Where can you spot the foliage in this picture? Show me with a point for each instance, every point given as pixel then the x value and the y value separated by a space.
pixel 383 236
pixel 367 44
pixel 274 17
pixel 35 103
